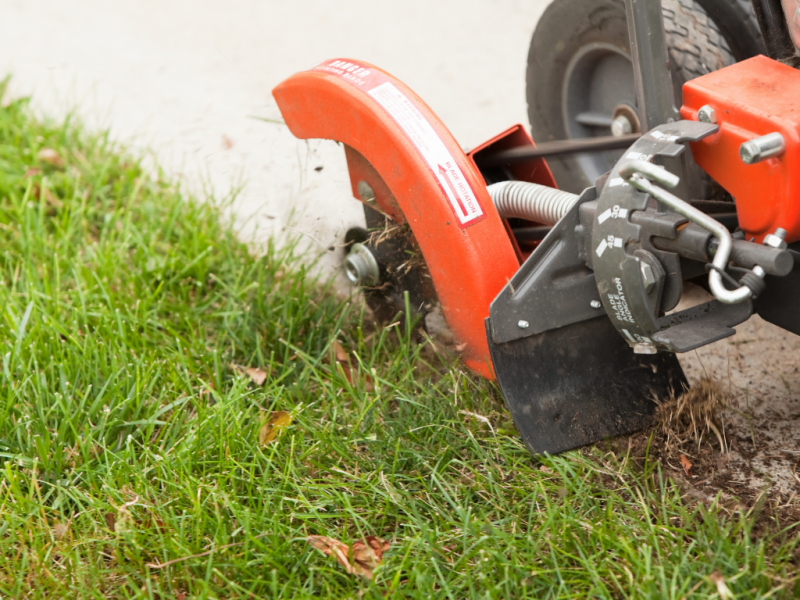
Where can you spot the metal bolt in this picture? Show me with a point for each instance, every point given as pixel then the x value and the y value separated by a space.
pixel 621 125
pixel 648 277
pixel 523 324
pixel 361 266
pixel 366 193
pixel 759 271
pixel 762 148
pixel 595 304
pixel 777 239
pixel 706 114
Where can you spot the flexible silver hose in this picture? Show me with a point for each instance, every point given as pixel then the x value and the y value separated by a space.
pixel 531 201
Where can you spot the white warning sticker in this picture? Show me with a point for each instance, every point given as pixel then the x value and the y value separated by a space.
pixel 441 162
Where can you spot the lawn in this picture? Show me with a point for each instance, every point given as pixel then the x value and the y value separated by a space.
pixel 178 416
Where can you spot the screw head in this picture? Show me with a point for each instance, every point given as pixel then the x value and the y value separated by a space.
pixel 706 114
pixel 366 193
pixel 522 324
pixel 595 304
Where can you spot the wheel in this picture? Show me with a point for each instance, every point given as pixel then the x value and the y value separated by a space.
pixel 580 76
pixel 737 23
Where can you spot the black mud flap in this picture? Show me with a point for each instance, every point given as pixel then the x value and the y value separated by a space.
pixel 578 384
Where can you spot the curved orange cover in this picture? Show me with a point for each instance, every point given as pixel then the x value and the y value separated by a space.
pixel 439 190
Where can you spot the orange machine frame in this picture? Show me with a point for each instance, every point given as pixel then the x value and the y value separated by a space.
pixel 469 262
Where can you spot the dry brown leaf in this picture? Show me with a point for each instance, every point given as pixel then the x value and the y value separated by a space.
pixel 722 588
pixel 36 192
pixel 367 554
pixel 341 353
pixel 111 520
pixel 545 469
pixel 685 464
pixel 60 530
pixel 361 558
pixel 343 359
pixel 31 172
pixel 274 426
pixel 257 375
pixel 50 156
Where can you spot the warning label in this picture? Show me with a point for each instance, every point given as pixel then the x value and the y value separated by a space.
pixel 451 179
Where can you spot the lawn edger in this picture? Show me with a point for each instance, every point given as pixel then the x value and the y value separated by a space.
pixel 566 294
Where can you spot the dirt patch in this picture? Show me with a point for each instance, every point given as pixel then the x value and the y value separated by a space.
pixel 750 382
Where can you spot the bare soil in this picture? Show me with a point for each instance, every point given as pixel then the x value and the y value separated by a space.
pixel 758 369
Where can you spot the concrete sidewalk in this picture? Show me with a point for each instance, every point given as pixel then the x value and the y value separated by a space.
pixel 188 79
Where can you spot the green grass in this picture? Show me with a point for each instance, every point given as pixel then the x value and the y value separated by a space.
pixel 126 439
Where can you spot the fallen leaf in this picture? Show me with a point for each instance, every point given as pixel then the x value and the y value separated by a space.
pixel 111 520
pixel 343 359
pixel 685 464
pixel 341 353
pixel 31 172
pixel 49 198
pixel 545 469
pixel 274 426
pixel 361 558
pixel 256 374
pixel 722 588
pixel 60 530
pixel 367 554
pixel 50 156
pixel 226 142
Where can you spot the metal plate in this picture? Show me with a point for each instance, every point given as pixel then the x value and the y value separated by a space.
pixel 579 384
pixel 615 239
pixel 553 288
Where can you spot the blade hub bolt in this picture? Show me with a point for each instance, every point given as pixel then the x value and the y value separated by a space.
pixel 595 304
pixel 522 324
pixel 361 267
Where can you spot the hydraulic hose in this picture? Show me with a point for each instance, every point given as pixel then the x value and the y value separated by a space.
pixel 531 201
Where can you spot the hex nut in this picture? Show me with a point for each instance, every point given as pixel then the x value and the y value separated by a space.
pixel 777 239
pixel 706 114
pixel 648 276
pixel 620 126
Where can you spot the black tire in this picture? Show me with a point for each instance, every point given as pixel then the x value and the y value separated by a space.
pixel 568 32
pixel 737 22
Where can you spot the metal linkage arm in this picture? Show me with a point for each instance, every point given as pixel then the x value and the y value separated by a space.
pixel 641 174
